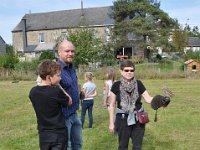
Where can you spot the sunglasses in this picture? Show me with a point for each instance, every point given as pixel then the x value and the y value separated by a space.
pixel 129 70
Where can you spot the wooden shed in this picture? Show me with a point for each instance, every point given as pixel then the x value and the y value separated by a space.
pixel 192 65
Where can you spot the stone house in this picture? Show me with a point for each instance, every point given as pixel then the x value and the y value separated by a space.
pixel 37 32
pixel 193 44
pixel 2 46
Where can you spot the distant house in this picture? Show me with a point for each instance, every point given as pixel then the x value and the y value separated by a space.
pixel 2 46
pixel 37 32
pixel 192 66
pixel 193 44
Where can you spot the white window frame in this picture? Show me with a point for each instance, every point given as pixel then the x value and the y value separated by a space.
pixel 65 34
pixel 41 38
pixel 108 36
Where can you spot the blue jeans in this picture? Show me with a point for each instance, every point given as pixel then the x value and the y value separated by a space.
pixel 74 126
pixel 87 105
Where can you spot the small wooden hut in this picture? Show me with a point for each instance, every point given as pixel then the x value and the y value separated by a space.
pixel 192 65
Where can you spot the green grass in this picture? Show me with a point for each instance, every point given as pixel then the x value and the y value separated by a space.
pixel 177 127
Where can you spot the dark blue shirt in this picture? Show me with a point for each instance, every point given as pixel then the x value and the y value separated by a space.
pixel 69 82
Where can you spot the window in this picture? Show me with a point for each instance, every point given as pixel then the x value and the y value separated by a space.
pixel 107 31
pixel 41 38
pixel 65 35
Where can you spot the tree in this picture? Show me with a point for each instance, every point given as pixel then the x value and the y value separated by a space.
pixel 192 32
pixel 190 54
pixel 47 55
pixel 87 45
pixel 181 35
pixel 179 38
pixel 10 58
pixel 107 55
pixel 195 31
pixel 137 21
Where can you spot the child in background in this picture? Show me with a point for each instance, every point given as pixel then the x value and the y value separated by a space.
pixel 107 87
pixel 47 100
pixel 89 88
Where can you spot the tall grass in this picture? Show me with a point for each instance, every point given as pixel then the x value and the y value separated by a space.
pixel 177 127
pixel 166 69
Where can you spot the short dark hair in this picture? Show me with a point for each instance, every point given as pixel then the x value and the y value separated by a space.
pixel 126 63
pixel 48 67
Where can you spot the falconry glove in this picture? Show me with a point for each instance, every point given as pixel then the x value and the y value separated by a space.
pixel 159 101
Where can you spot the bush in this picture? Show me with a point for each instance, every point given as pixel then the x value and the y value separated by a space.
pixel 190 54
pixel 47 55
pixel 166 69
pixel 21 71
pixel 27 66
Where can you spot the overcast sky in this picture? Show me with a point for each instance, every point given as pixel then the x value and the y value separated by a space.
pixel 12 11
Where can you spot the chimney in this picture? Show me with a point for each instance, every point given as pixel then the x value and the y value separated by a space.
pixel 82 14
pixel 24 34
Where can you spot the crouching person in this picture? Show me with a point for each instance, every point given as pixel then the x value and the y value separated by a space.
pixel 47 99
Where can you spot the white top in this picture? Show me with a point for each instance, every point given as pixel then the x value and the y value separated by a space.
pixel 38 80
pixel 90 88
pixel 109 83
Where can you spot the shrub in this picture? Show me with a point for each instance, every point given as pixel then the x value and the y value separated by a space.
pixel 47 55
pixel 190 54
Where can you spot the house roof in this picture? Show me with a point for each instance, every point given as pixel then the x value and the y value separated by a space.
pixel 2 40
pixel 30 48
pixel 66 18
pixel 44 46
pixel 2 45
pixel 194 42
pixel 190 61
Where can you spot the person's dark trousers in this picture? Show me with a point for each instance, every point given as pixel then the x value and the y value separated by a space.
pixel 125 132
pixel 87 105
pixel 53 146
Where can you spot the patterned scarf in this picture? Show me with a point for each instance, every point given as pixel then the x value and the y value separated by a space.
pixel 129 94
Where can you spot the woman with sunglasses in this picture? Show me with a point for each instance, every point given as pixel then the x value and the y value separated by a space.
pixel 126 94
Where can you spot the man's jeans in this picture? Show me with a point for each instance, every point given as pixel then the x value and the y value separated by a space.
pixel 87 105
pixel 74 127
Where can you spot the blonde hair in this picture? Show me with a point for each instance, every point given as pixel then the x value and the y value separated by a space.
pixel 89 75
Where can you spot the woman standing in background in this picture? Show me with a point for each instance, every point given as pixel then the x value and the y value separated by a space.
pixel 89 88
pixel 107 87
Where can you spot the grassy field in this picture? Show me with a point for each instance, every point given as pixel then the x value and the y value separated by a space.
pixel 177 128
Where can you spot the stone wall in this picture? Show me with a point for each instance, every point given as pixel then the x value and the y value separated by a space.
pixel 17 41
pixel 50 36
